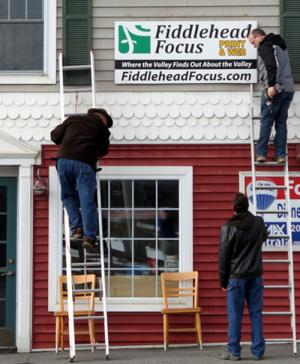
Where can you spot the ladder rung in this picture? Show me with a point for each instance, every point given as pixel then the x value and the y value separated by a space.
pixel 279 340
pixel 270 187
pixel 75 114
pixel 278 236
pixel 87 290
pixel 277 286
pixel 272 211
pixel 265 164
pixel 276 261
pixel 277 313
pixel 88 317
pixel 255 117
pixel 77 68
pixel 90 345
pixel 78 89
pixel 88 264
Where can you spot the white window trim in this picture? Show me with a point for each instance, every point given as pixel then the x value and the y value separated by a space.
pixel 185 177
pixel 48 76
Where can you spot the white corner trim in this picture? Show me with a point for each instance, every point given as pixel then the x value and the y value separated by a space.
pixel 185 176
pixel 24 260
pixel 55 238
pixel 48 76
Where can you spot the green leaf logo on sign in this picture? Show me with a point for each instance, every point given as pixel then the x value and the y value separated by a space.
pixel 134 39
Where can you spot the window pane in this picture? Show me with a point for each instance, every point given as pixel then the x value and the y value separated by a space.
pixel 3 227
pixel 144 193
pixel 2 287
pixel 169 251
pixel 3 199
pixel 17 9
pixel 3 9
pixel 144 257
pixel 120 194
pixel 144 224
pixel 120 225
pixel 34 9
pixel 2 313
pixel 120 284
pixel 145 285
pixel 168 194
pixel 2 255
pixel 21 47
pixel 167 224
pixel 121 254
pixel 105 223
pixel 104 194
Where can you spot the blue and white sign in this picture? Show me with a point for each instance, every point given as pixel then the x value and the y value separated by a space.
pixel 274 200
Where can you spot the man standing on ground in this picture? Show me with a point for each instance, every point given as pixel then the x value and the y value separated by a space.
pixel 82 139
pixel 276 79
pixel 241 275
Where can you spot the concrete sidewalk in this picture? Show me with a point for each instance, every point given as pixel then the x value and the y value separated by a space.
pixel 279 354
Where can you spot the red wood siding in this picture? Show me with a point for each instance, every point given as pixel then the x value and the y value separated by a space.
pixel 216 176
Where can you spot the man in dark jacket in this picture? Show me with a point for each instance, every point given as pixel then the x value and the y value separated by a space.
pixel 277 81
pixel 82 139
pixel 241 275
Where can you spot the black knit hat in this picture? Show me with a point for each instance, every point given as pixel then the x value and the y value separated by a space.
pixel 103 112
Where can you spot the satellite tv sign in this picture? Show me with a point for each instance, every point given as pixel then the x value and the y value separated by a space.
pixel 184 52
pixel 274 199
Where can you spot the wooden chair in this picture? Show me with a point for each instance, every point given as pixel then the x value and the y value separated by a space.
pixel 172 288
pixel 87 281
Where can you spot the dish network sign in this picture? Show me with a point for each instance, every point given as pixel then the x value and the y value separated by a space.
pixel 274 200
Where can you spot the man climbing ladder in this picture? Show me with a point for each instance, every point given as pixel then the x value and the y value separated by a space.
pixel 82 139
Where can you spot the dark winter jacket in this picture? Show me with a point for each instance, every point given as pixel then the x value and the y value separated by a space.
pixel 82 137
pixel 273 63
pixel 240 247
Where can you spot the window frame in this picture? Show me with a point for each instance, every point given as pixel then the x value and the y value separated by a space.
pixel 48 75
pixel 184 175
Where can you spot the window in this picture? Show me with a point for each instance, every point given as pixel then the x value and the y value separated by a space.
pixel 27 37
pixel 290 28
pixel 147 226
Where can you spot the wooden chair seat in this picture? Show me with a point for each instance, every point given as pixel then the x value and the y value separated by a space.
pixel 173 287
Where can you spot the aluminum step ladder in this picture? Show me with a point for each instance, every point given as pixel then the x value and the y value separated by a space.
pixel 98 263
pixel 289 262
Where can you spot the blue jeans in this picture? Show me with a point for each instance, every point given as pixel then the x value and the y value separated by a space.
pixel 251 290
pixel 276 112
pixel 78 188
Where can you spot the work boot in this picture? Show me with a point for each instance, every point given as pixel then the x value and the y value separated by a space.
pixel 228 356
pixel 90 245
pixel 261 159
pixel 77 234
pixel 280 159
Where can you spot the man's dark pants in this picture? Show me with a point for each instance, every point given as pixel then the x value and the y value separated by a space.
pixel 238 291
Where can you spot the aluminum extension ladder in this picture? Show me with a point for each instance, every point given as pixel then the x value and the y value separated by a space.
pixel 288 236
pixel 85 265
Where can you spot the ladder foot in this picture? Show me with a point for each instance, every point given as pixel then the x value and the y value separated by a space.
pixel 72 359
pixel 107 357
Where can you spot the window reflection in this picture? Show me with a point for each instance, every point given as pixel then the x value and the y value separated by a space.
pixel 144 224
pixel 168 193
pixel 120 223
pixel 144 194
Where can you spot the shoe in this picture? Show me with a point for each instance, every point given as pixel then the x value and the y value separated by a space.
pixel 228 356
pixel 261 159
pixel 280 159
pixel 258 357
pixel 90 245
pixel 77 234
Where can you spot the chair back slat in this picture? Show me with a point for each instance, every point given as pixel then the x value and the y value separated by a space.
pixel 85 281
pixel 179 278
